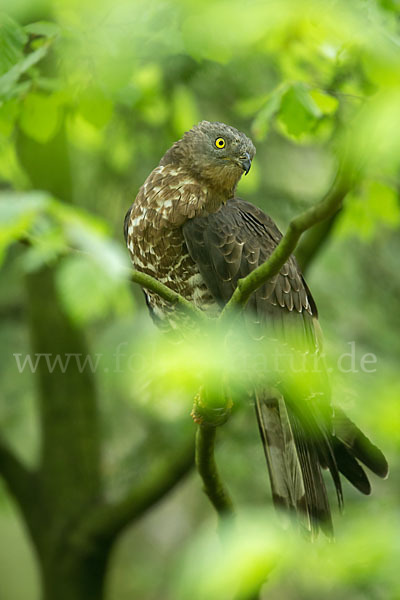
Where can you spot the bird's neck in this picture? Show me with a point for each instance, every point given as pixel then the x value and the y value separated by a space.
pixel 219 180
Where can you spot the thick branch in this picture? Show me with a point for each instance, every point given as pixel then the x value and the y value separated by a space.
pixel 323 210
pixel 107 521
pixel 207 468
pixel 18 478
pixel 69 463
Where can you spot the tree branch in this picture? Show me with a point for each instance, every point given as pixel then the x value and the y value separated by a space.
pixel 18 477
pixel 108 520
pixel 313 241
pixel 321 211
pixel 207 468
pixel 148 282
pixel 69 463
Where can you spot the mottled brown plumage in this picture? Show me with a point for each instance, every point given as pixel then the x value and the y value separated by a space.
pixel 187 229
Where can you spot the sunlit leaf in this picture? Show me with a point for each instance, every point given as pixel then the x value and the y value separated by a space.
pixel 17 214
pixel 43 28
pixel 327 103
pixel 298 112
pixel 10 78
pixel 95 107
pixel 8 114
pixel 87 290
pixel 40 116
pixel 375 205
pixel 235 566
pixel 262 121
pixel 12 42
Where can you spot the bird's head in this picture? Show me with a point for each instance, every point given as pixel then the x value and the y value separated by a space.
pixel 214 153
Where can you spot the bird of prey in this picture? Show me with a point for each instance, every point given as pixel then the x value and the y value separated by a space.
pixel 189 230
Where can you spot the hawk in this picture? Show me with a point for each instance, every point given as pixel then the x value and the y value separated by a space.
pixel 189 230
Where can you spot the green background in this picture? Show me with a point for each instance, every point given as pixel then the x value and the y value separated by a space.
pixel 91 96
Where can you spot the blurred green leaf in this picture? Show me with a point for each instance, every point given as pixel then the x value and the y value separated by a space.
pixel 17 214
pixel 95 107
pixel 261 123
pixel 47 242
pixel 376 205
pixel 87 290
pixel 54 228
pixel 327 103
pixel 12 42
pixel 40 116
pixel 298 113
pixel 43 28
pixel 236 565
pixel 134 76
pixel 106 252
pixel 8 115
pixel 9 80
pixel 185 110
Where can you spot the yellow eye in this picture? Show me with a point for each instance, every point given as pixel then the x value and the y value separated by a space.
pixel 220 143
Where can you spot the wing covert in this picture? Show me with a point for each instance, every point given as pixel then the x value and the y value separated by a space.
pixel 230 243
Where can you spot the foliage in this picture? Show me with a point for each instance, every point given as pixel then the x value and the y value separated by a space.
pixel 93 93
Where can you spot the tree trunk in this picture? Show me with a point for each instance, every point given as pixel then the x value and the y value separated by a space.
pixel 76 577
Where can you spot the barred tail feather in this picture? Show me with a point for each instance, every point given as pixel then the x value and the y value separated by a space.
pixel 297 448
pixel 295 475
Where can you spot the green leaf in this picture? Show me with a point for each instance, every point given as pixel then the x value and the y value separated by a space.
pixel 40 116
pixel 185 112
pixel 44 28
pixel 15 206
pixel 17 214
pixel 48 242
pixel 326 103
pixel 87 290
pixel 91 235
pixel 95 107
pixel 261 123
pixel 12 42
pixel 376 204
pixel 299 113
pixel 10 78
pixel 8 114
pixel 108 254
pixel 72 216
pixel 383 203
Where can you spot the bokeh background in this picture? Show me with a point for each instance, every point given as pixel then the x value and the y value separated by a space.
pixel 91 96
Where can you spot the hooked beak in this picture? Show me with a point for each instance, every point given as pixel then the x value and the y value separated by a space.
pixel 245 162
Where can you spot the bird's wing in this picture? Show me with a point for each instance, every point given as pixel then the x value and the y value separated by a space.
pixel 229 244
pixel 226 246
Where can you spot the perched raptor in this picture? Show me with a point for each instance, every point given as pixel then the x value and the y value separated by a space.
pixel 189 230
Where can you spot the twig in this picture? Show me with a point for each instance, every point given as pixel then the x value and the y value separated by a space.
pixel 108 520
pixel 323 210
pixel 145 281
pixel 148 282
pixel 207 468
